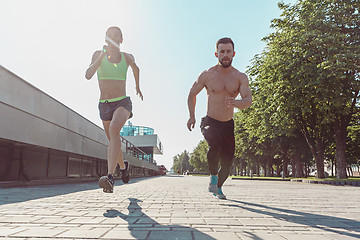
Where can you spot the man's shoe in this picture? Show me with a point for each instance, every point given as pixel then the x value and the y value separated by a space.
pixel 125 176
pixel 107 183
pixel 213 184
pixel 220 194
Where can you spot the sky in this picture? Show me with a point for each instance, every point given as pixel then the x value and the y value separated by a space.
pixel 49 43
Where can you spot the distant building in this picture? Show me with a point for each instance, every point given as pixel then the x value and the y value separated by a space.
pixel 42 139
pixel 162 169
pixel 143 138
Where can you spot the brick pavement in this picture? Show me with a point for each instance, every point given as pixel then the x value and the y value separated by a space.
pixel 179 207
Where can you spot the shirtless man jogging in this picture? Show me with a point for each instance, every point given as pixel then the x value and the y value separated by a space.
pixel 115 107
pixel 223 84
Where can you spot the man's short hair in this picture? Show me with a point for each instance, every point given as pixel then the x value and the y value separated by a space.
pixel 224 41
pixel 114 27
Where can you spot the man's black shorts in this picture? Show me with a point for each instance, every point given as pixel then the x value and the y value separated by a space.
pixel 219 134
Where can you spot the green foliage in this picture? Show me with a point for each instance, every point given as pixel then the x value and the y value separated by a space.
pixel 305 87
pixel 353 141
pixel 198 158
pixel 307 77
pixel 181 163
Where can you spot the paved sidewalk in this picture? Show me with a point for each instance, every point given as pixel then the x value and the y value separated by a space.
pixel 179 207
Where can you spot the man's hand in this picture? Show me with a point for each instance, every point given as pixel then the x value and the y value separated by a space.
pixel 191 123
pixel 229 101
pixel 138 92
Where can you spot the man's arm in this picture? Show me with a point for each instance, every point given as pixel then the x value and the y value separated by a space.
pixel 198 85
pixel 136 73
pixel 245 93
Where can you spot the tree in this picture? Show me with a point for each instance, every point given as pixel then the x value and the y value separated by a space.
pixel 198 158
pixel 308 75
pixel 325 36
pixel 353 141
pixel 176 164
pixel 181 162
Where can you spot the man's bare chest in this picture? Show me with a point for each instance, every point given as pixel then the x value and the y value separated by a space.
pixel 228 85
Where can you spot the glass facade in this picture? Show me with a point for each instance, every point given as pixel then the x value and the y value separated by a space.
pixel 130 130
pixel 145 153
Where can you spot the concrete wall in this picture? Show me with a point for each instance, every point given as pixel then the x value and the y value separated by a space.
pixel 41 138
pixel 31 116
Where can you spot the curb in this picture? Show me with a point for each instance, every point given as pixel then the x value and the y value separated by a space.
pixel 259 179
pixel 335 183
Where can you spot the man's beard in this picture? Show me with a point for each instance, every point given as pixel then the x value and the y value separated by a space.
pixel 225 65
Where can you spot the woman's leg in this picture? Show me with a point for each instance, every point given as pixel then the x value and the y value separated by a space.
pixel 112 129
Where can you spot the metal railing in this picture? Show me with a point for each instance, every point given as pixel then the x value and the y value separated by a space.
pixel 137 152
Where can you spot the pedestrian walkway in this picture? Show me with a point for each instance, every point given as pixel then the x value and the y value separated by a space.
pixel 179 207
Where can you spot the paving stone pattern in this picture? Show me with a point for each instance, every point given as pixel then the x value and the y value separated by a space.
pixel 179 207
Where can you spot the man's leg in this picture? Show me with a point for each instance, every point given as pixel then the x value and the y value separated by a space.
pixel 226 164
pixel 212 137
pixel 213 157
pixel 227 156
pixel 213 162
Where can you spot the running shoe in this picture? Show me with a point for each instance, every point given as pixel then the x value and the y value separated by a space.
pixel 220 194
pixel 125 176
pixel 107 183
pixel 213 184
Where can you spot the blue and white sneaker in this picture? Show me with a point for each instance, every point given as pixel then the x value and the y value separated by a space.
pixel 213 184
pixel 107 183
pixel 220 194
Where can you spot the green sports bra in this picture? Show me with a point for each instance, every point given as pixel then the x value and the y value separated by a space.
pixel 113 71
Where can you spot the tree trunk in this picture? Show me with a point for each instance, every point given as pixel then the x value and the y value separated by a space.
pixel 297 164
pixel 268 164
pixel 317 149
pixel 278 170
pixel 319 159
pixel 306 170
pixel 285 167
pixel 292 168
pixel 242 167
pixel 340 138
pixel 257 169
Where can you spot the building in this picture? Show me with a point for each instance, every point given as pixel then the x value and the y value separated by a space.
pixel 143 138
pixel 162 169
pixel 43 140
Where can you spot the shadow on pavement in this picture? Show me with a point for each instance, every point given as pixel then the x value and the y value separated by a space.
pixel 326 223
pixel 160 232
pixel 22 194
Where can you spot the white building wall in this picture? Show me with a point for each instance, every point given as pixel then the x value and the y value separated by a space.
pixel 30 116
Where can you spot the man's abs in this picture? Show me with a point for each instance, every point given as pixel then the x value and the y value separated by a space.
pixel 217 109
